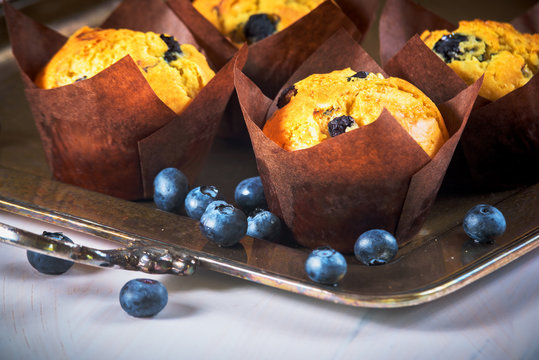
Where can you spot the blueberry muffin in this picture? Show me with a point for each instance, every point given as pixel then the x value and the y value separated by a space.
pixel 175 72
pixel 253 20
pixel 508 58
pixel 322 106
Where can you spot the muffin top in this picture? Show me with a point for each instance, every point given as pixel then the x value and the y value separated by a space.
pixel 252 20
pixel 507 58
pixel 322 106
pixel 175 72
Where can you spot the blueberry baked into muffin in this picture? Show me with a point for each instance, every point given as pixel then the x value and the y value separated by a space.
pixel 175 72
pixel 253 20
pixel 507 58
pixel 323 106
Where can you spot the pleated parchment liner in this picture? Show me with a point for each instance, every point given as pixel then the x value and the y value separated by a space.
pixel 373 177
pixel 272 60
pixel 500 147
pixel 111 133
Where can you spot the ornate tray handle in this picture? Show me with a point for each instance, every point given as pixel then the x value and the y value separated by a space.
pixel 135 256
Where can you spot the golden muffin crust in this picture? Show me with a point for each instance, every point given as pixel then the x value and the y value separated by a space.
pixel 325 105
pixel 252 20
pixel 508 58
pixel 175 72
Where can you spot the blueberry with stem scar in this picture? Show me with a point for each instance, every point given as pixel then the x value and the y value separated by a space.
pixel 223 224
pixel 143 297
pixel 325 266
pixel 215 204
pixel 198 199
pixel 484 223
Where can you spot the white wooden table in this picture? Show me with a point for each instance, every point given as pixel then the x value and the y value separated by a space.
pixel 77 315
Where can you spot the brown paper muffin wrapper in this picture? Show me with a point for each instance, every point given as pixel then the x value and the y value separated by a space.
pixel 376 176
pixel 111 133
pixel 272 60
pixel 500 147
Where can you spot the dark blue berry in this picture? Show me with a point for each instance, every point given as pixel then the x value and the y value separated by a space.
pixel 249 194
pixel 174 48
pixel 198 199
pixel 339 125
pixel 448 47
pixel 214 204
pixel 358 75
pixel 286 96
pixel 223 224
pixel 143 297
pixel 325 266
pixel 258 27
pixel 375 247
pixel 262 224
pixel 48 264
pixel 484 223
pixel 170 187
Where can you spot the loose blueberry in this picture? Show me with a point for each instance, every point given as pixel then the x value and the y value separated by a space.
pixel 359 75
pixel 198 199
pixel 339 125
pixel 143 297
pixel 286 96
pixel 223 224
pixel 174 48
pixel 249 194
pixel 170 188
pixel 48 264
pixel 214 204
pixel 258 27
pixel 262 224
pixel 484 223
pixel 325 266
pixel 375 247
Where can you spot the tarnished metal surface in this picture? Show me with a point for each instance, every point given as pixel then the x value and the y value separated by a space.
pixel 135 256
pixel 439 260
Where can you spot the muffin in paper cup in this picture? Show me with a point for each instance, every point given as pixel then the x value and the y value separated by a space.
pixel 272 60
pixel 111 133
pixel 499 148
pixel 376 176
